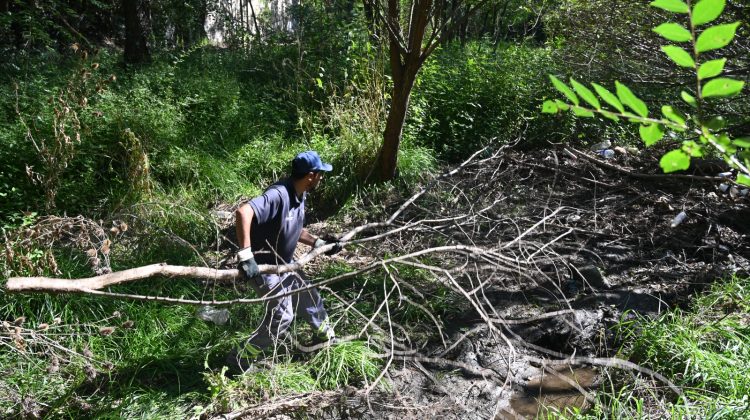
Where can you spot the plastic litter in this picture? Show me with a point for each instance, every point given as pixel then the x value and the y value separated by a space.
pixel 633 150
pixel 725 174
pixel 606 153
pixel 210 314
pixel 605 144
pixel 681 216
pixel 724 187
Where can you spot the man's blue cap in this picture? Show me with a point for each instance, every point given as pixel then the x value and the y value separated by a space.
pixel 309 161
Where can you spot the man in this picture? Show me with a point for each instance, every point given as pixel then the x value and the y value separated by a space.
pixel 268 229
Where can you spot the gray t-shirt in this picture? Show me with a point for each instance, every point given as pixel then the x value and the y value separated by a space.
pixel 278 222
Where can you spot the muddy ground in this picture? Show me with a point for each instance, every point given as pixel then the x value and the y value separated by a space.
pixel 598 243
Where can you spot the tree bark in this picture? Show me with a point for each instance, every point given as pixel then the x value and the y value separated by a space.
pixel 394 127
pixel 405 60
pixel 137 31
pixel 9 7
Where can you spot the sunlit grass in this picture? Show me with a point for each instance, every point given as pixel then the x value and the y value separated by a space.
pixel 705 350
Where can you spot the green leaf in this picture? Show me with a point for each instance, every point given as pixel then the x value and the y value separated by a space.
pixel 716 37
pixel 673 32
pixel 610 115
pixel 651 133
pixel 673 114
pixel 675 6
pixel 676 160
pixel 706 11
pixel 692 148
pixel 628 98
pixel 608 97
pixel 678 55
pixel 722 87
pixel 549 107
pixel 564 89
pixel 725 142
pixel 689 99
pixel 582 112
pixel 562 105
pixel 711 68
pixel 743 179
pixel 715 123
pixel 742 142
pixel 585 93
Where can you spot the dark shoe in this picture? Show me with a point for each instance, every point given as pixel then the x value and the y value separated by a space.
pixel 238 364
pixel 321 339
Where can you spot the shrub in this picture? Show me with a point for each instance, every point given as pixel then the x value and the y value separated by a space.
pixel 468 96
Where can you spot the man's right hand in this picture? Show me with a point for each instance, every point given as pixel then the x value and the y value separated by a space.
pixel 247 265
pixel 249 269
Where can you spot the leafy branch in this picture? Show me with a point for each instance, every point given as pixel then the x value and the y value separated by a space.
pixel 707 129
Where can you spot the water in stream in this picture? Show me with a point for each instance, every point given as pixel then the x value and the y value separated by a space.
pixel 565 387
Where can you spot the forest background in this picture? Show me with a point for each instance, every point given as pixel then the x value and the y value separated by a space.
pixel 138 124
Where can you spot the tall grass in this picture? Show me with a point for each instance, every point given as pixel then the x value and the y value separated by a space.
pixel 469 96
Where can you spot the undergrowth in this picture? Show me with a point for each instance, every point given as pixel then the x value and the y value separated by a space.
pixel 160 147
pixel 705 350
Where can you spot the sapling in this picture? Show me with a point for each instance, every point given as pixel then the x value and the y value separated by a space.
pixel 700 131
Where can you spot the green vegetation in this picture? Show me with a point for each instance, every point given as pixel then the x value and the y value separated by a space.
pixel 145 150
pixel 696 123
pixel 334 367
pixel 705 350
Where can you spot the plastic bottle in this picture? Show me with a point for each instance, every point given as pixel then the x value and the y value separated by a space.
pixel 210 314
pixel 678 219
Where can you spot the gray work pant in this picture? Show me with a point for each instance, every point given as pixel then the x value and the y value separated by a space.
pixel 280 312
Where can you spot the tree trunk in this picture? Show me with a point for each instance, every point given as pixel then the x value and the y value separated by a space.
pixel 405 64
pixel 394 127
pixel 406 58
pixel 10 8
pixel 137 30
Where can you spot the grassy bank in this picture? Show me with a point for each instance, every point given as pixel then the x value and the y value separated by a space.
pixel 704 349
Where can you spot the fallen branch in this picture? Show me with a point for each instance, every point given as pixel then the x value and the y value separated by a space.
pixel 293 403
pixel 48 284
pixel 646 176
pixel 91 284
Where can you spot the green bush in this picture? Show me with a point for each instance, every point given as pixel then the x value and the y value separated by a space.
pixel 466 96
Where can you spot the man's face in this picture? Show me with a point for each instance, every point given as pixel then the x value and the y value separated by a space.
pixel 315 180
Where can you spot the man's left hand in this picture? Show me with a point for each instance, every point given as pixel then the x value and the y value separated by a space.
pixel 328 240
